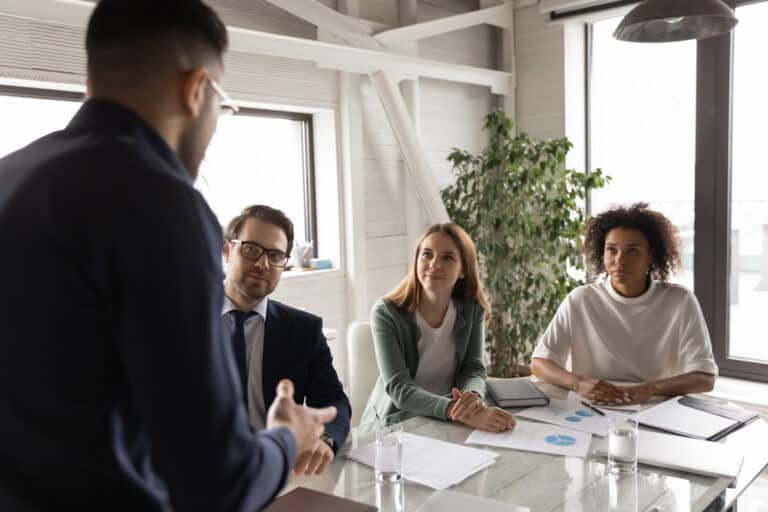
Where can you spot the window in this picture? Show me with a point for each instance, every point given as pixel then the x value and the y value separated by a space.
pixel 682 124
pixel 28 114
pixel 642 121
pixel 749 188
pixel 256 157
pixel 262 157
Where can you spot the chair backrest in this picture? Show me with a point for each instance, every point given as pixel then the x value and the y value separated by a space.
pixel 363 368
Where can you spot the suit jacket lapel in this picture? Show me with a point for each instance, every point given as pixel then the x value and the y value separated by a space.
pixel 273 333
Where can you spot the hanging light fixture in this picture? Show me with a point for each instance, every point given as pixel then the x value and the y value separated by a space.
pixel 662 21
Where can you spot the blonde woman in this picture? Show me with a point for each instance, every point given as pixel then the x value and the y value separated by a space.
pixel 429 337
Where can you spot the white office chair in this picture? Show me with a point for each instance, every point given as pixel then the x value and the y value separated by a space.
pixel 363 369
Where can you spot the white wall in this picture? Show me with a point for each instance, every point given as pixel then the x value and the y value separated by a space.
pixel 540 59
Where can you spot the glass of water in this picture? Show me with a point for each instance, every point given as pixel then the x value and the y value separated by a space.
pixel 388 465
pixel 622 446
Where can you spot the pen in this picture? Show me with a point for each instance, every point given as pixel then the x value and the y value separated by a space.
pixel 592 407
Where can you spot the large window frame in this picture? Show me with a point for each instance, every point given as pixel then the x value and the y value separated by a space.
pixel 306 122
pixel 712 197
pixel 714 126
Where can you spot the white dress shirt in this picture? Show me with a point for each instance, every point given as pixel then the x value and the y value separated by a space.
pixel 254 354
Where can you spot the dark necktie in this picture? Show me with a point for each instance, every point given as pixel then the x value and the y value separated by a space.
pixel 238 345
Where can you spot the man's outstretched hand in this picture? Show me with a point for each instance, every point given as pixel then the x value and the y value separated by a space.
pixel 306 423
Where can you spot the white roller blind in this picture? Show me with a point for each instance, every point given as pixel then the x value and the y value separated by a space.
pixel 40 51
pixel 564 6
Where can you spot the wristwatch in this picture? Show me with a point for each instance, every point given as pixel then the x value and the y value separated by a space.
pixel 328 440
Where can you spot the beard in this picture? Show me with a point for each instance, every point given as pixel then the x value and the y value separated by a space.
pixel 195 139
pixel 192 150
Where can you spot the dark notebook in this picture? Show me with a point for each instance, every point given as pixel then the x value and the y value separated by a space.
pixel 516 393
pixel 302 499
pixel 733 412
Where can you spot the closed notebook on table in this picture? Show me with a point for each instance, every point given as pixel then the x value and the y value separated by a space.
pixel 302 499
pixel 516 393
pixel 695 417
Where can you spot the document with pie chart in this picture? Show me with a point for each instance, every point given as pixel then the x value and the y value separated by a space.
pixel 536 437
pixel 572 414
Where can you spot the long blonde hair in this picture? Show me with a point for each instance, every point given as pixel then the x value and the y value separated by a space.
pixel 407 295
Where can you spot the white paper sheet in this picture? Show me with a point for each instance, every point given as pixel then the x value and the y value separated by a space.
pixel 673 417
pixel 430 462
pixel 537 437
pixel 572 414
pixel 450 501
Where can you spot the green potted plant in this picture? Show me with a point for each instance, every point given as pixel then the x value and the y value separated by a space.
pixel 525 211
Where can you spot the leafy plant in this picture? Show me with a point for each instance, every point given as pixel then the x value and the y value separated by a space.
pixel 525 212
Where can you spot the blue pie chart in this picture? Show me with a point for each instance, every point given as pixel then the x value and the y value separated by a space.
pixel 573 419
pixel 584 414
pixel 561 440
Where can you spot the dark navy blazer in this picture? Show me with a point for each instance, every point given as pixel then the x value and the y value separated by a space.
pixel 295 348
pixel 111 348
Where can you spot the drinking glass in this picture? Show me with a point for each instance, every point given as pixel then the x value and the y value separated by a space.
pixel 388 465
pixel 622 446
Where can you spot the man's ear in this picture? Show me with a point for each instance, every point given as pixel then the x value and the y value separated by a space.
pixel 225 251
pixel 193 89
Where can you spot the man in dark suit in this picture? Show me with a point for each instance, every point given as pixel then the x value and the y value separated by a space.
pixel 117 389
pixel 272 341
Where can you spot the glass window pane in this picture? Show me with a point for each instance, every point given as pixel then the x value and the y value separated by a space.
pixel 40 117
pixel 749 193
pixel 255 160
pixel 643 128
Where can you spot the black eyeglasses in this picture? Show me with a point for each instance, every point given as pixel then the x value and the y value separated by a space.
pixel 253 251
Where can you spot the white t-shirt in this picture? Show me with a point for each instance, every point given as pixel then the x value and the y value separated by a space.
pixel 437 354
pixel 659 334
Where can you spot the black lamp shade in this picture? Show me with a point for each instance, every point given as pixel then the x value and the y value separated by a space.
pixel 662 21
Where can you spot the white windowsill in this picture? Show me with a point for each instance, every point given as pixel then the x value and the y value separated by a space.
pixel 730 388
pixel 313 275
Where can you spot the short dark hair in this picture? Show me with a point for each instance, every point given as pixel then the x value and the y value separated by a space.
pixel 266 214
pixel 655 226
pixel 138 33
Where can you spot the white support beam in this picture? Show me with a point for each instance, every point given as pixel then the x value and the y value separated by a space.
pixel 410 145
pixel 498 16
pixel 357 60
pixel 350 30
pixel 325 55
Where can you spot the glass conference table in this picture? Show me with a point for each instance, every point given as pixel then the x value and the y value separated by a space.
pixel 543 482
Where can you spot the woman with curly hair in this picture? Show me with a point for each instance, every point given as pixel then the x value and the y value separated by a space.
pixel 429 337
pixel 632 325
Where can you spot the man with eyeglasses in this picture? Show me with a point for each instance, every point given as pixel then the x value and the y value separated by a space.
pixel 117 389
pixel 273 341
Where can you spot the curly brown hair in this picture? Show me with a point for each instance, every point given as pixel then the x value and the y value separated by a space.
pixel 655 226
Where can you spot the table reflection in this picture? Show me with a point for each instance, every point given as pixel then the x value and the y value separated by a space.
pixel 390 496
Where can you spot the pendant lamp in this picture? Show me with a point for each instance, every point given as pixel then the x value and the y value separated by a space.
pixel 662 21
